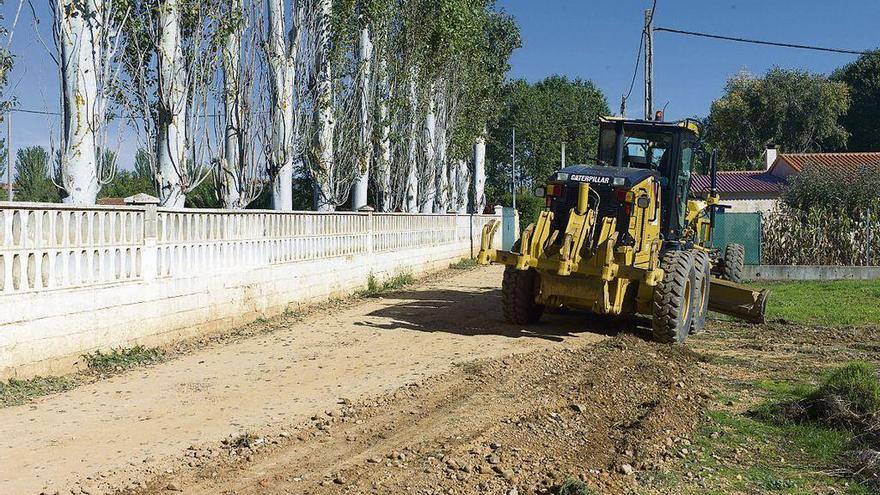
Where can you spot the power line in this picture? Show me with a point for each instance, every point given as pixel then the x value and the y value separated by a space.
pixel 760 42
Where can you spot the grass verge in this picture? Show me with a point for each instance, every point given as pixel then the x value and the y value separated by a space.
pixel 376 288
pixel 16 392
pixel 122 359
pixel 464 264
pixel 833 303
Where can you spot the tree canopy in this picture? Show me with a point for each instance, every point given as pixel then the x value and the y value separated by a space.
pixel 793 109
pixel 861 120
pixel 545 115
pixel 32 176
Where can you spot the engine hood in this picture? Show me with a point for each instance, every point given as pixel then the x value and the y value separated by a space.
pixel 600 175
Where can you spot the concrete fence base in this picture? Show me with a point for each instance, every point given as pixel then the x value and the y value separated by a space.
pixel 76 280
pixel 811 272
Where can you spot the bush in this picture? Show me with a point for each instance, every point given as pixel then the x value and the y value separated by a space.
pixel 846 191
pixel 855 384
pixel 574 487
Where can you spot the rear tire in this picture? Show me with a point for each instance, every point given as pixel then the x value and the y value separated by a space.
pixel 702 281
pixel 734 263
pixel 674 298
pixel 518 296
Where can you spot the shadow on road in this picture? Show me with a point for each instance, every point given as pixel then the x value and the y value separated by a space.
pixel 478 312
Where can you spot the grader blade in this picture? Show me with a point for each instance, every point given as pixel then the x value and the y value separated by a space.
pixel 738 300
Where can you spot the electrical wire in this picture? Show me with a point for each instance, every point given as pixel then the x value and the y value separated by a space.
pixel 759 42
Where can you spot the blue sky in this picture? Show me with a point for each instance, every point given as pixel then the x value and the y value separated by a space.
pixel 591 39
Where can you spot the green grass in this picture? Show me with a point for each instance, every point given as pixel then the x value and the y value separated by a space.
pixel 856 383
pixel 464 264
pixel 835 303
pixel 119 359
pixel 375 287
pixel 15 392
pixel 574 486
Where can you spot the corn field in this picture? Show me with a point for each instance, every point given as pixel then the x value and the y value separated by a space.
pixel 821 236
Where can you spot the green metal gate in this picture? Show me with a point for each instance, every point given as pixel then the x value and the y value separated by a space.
pixel 739 228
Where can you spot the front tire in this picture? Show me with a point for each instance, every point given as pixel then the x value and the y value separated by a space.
pixel 674 298
pixel 734 263
pixel 702 282
pixel 518 296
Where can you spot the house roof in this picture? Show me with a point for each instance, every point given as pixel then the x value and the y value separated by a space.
pixel 844 161
pixel 752 181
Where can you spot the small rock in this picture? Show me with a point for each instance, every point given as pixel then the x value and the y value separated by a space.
pixel 579 408
pixel 626 469
pixel 173 487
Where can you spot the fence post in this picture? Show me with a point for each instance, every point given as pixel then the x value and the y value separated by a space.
pixel 150 254
pixel 370 233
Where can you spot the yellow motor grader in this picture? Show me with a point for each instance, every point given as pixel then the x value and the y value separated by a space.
pixel 624 236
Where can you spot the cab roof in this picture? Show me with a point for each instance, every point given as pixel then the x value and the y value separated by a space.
pixel 687 124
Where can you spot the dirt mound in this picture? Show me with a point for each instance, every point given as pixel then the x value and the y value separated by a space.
pixel 523 424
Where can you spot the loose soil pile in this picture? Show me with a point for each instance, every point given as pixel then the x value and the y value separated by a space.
pixel 603 414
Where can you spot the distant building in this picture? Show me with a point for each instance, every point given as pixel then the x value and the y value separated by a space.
pixel 759 190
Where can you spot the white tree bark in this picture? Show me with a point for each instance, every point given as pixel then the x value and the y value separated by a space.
pixel 362 177
pixel 383 166
pixel 173 95
pixel 479 199
pixel 442 200
pixel 461 186
pixel 78 31
pixel 229 189
pixel 324 175
pixel 282 72
pixel 429 142
pixel 411 196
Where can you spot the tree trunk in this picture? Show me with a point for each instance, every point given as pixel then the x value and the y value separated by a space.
pixel 282 71
pixel 429 142
pixel 411 195
pixel 479 199
pixel 462 183
pixel 79 33
pixel 324 176
pixel 230 191
pixel 442 166
pixel 171 122
pixel 362 177
pixel 383 166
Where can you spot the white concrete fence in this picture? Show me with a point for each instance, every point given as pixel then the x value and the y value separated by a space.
pixel 73 280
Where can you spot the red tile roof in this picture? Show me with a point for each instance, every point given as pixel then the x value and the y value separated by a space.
pixel 758 181
pixel 846 161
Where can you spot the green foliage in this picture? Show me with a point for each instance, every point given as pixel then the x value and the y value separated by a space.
pixel 527 204
pixel 130 182
pixel 122 358
pixel 464 264
pixel 829 304
pixel 863 78
pixel 15 392
pixel 375 287
pixel 203 195
pixel 796 110
pixel 32 176
pixel 545 115
pixel 573 486
pixel 832 187
pixel 856 384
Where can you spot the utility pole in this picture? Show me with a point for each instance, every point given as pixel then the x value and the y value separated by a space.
pixel 649 64
pixel 9 155
pixel 513 171
pixel 563 155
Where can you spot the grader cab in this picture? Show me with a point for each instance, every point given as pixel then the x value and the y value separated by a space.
pixel 624 236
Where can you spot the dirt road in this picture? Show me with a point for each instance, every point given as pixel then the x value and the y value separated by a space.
pixel 129 429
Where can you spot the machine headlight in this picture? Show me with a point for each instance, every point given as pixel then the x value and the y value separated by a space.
pixel 619 181
pixel 539 191
pixel 562 176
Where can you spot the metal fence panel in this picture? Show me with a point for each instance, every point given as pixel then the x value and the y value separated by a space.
pixel 739 228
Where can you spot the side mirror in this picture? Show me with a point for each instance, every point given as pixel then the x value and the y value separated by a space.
pixel 540 191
